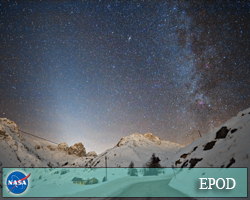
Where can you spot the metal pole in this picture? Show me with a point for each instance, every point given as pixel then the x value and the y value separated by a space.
pixel 106 168
pixel 199 133
pixel 173 170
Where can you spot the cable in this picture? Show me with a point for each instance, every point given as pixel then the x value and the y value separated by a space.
pixel 37 136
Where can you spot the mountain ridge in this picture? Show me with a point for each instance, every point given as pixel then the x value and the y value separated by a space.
pixel 226 146
pixel 45 154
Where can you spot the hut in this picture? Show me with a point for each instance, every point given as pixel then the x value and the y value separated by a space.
pixel 80 181
pixel 92 181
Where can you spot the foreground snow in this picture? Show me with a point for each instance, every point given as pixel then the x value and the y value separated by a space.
pixel 113 188
pixel 58 182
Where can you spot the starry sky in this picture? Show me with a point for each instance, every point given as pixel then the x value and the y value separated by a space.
pixel 96 71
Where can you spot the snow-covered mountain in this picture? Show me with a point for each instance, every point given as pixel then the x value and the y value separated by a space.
pixel 20 150
pixel 137 148
pixel 224 147
pixel 227 146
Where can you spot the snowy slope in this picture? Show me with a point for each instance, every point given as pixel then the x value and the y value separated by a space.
pixel 227 146
pixel 137 148
pixel 58 182
pixel 18 150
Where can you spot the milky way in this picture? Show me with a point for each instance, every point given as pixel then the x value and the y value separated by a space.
pixel 78 71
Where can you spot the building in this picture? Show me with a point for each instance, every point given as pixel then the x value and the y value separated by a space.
pixel 92 181
pixel 80 181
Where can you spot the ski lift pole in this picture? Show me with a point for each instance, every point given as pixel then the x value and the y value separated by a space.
pixel 173 171
pixel 106 168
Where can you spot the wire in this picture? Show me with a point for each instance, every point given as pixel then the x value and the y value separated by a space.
pixel 37 136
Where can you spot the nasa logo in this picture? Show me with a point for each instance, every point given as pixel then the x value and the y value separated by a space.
pixel 17 182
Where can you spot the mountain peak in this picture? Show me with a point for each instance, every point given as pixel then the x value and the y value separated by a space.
pixel 151 137
pixel 138 138
pixel 8 129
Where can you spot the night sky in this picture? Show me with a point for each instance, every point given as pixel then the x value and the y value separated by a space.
pixel 96 71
